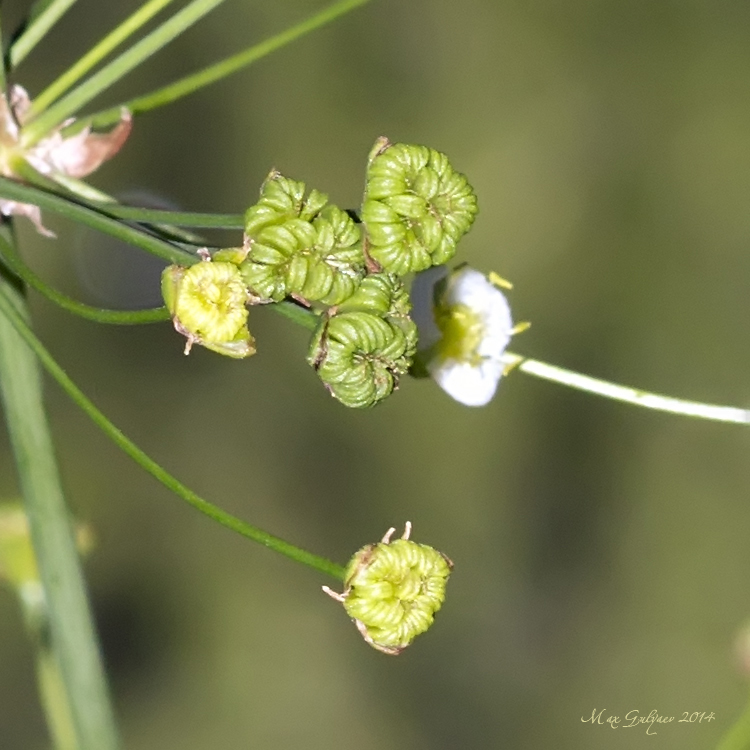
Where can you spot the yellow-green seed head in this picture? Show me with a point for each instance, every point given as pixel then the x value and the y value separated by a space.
pixel 208 306
pixel 393 590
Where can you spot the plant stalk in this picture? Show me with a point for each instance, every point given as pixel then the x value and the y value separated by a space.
pixel 635 396
pixel 72 633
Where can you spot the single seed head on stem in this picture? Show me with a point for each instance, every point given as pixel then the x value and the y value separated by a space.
pixel 393 590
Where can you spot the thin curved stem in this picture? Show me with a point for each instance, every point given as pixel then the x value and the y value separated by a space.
pixel 114 71
pixel 213 73
pixel 116 317
pixel 96 220
pixel 624 393
pixel 142 459
pixel 95 55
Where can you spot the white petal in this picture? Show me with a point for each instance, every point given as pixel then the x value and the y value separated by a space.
pixel 467 384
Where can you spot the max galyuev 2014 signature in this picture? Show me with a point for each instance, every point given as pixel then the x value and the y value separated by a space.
pixel 635 718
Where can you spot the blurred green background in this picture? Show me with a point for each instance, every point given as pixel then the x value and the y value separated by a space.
pixel 602 556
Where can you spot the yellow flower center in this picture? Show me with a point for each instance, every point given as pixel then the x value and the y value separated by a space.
pixel 462 330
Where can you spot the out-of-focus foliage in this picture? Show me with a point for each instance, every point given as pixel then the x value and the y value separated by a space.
pixel 601 552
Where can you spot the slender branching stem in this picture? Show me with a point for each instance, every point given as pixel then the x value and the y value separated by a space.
pixel 10 257
pixel 114 71
pixel 95 55
pixel 152 467
pixel 213 73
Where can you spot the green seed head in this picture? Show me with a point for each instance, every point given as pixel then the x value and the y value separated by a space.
pixel 416 207
pixel 393 590
pixel 299 246
pixel 282 199
pixel 208 306
pixel 360 355
pixel 380 293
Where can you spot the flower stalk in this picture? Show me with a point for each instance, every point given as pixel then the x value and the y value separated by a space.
pixel 624 393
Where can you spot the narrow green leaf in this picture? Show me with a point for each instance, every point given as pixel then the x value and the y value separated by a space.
pixel 110 42
pixel 216 72
pixel 118 68
pixel 43 15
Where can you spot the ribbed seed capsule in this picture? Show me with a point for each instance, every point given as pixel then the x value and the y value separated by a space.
pixel 360 355
pixel 416 207
pixel 207 303
pixel 300 246
pixel 380 293
pixel 282 199
pixel 393 590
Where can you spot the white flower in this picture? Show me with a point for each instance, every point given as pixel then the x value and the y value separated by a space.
pixel 464 335
pixel 55 155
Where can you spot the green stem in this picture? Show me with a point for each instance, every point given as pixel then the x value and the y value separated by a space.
pixel 117 317
pixel 118 68
pixel 71 624
pixel 738 735
pixel 51 685
pixel 229 65
pixel 95 55
pixel 300 315
pixel 176 218
pixel 43 15
pixel 153 468
pixel 624 393
pixel 99 200
pixel 96 220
